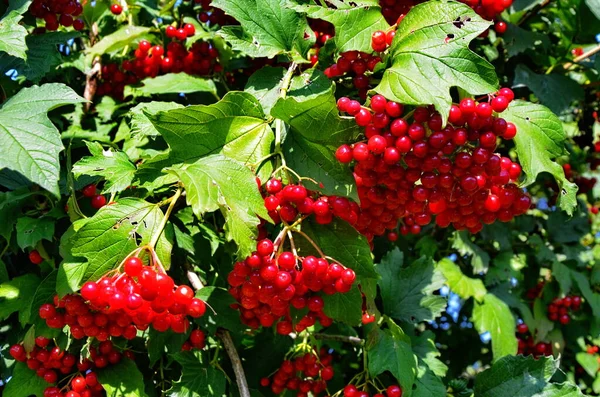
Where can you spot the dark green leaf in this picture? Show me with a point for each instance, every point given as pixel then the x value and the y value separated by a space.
pixel 118 40
pixel 31 231
pixel 462 285
pixel 539 140
pixel 223 317
pixel 430 54
pixel 264 84
pixel 160 343
pixel 24 383
pixel 172 83
pixel 31 143
pixel 16 296
pixel 519 40
pixel 113 166
pixel 344 307
pixel 407 293
pixel 198 379
pixel 122 380
pixel 480 260
pixel 390 350
pixel 140 124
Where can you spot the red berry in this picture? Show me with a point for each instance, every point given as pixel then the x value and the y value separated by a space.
pixel 98 201
pixel 133 266
pixel 89 191
pixel 35 257
pixel 116 9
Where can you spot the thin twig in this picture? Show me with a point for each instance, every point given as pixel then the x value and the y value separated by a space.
pixel 238 369
pixel 340 338
pixel 165 219
pixel 583 56
pixel 193 278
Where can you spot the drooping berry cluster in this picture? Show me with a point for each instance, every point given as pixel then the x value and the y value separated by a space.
pixel 357 64
pixel 412 171
pixel 48 361
pixel 97 201
pixel 560 309
pixel 213 15
pixel 394 10
pixel 527 345
pixel 56 13
pixel 391 391
pixel 151 61
pixel 267 283
pixel 197 340
pixel 304 374
pixel 488 9
pixel 381 40
pixel 288 202
pixel 323 31
pixel 122 303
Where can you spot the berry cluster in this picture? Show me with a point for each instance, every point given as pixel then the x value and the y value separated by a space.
pixel 391 391
pixel 527 345
pixel 56 13
pixel 381 40
pixel 97 201
pixel 394 10
pixel 48 361
pixel 357 64
pixel 559 309
pixel 305 374
pixel 413 171
pixel 197 340
pixel 323 31
pixel 267 283
pixel 122 303
pixel 287 203
pixel 151 61
pixel 488 9
pixel 212 15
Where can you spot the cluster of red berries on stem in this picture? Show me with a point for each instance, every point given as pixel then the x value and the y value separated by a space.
pixel 56 13
pixel 213 15
pixel 381 40
pixel 390 391
pixel 268 282
pixel 488 9
pixel 414 171
pixel 394 10
pixel 151 61
pixel 286 203
pixel 197 340
pixel 307 373
pixel 559 310
pixel 527 345
pixel 120 304
pixel 357 64
pixel 97 201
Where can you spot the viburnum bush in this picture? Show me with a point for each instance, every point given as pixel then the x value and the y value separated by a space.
pixel 372 198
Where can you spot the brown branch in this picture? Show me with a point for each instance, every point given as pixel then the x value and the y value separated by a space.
pixel 193 278
pixel 92 77
pixel 340 338
pixel 238 369
pixel 582 57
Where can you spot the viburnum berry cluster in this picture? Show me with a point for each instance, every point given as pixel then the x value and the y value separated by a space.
pixel 212 15
pixel 390 391
pixel 197 340
pixel 97 201
pixel 56 13
pixel 394 10
pixel 356 64
pixel 528 346
pixel 560 308
pixel 120 304
pixel 488 9
pixel 413 171
pixel 268 282
pixel 307 373
pixel 151 61
pixel 69 375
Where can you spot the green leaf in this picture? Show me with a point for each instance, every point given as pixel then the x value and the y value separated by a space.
pixel 594 6
pixel 407 292
pixel 562 274
pixel 70 275
pixel 264 85
pixel 117 385
pixel 3 272
pixel 512 374
pixel 591 298
pixel 542 324
pixel 560 390
pixel 16 296
pixel 31 143
pixel 555 91
pixel 344 307
pixel 390 350
pixel 12 35
pixel 430 54
pixel 198 379
pixel 117 41
pixel 107 238
pixel 565 229
pixel 310 108
pixel 24 383
pixel 113 166
pixel 480 260
pixel 427 384
pixel 495 317
pixel 518 40
pixel 42 55
pixel 161 342
pixel 234 126
pixel 539 140
pixel 427 353
pixel 30 231
pixel 44 293
pixel 589 362
pixel 354 23
pixel 10 209
pixel 172 83
pixel 341 241
pixel 220 183
pixel 267 28
pixel 219 300
pixel 462 285
pixel 141 124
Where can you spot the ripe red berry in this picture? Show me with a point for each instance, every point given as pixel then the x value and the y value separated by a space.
pixel 98 201
pixel 133 266
pixel 89 191
pixel 35 257
pixel 116 9
pixel 394 391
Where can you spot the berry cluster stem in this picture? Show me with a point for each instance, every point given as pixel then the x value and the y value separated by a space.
pixel 163 223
